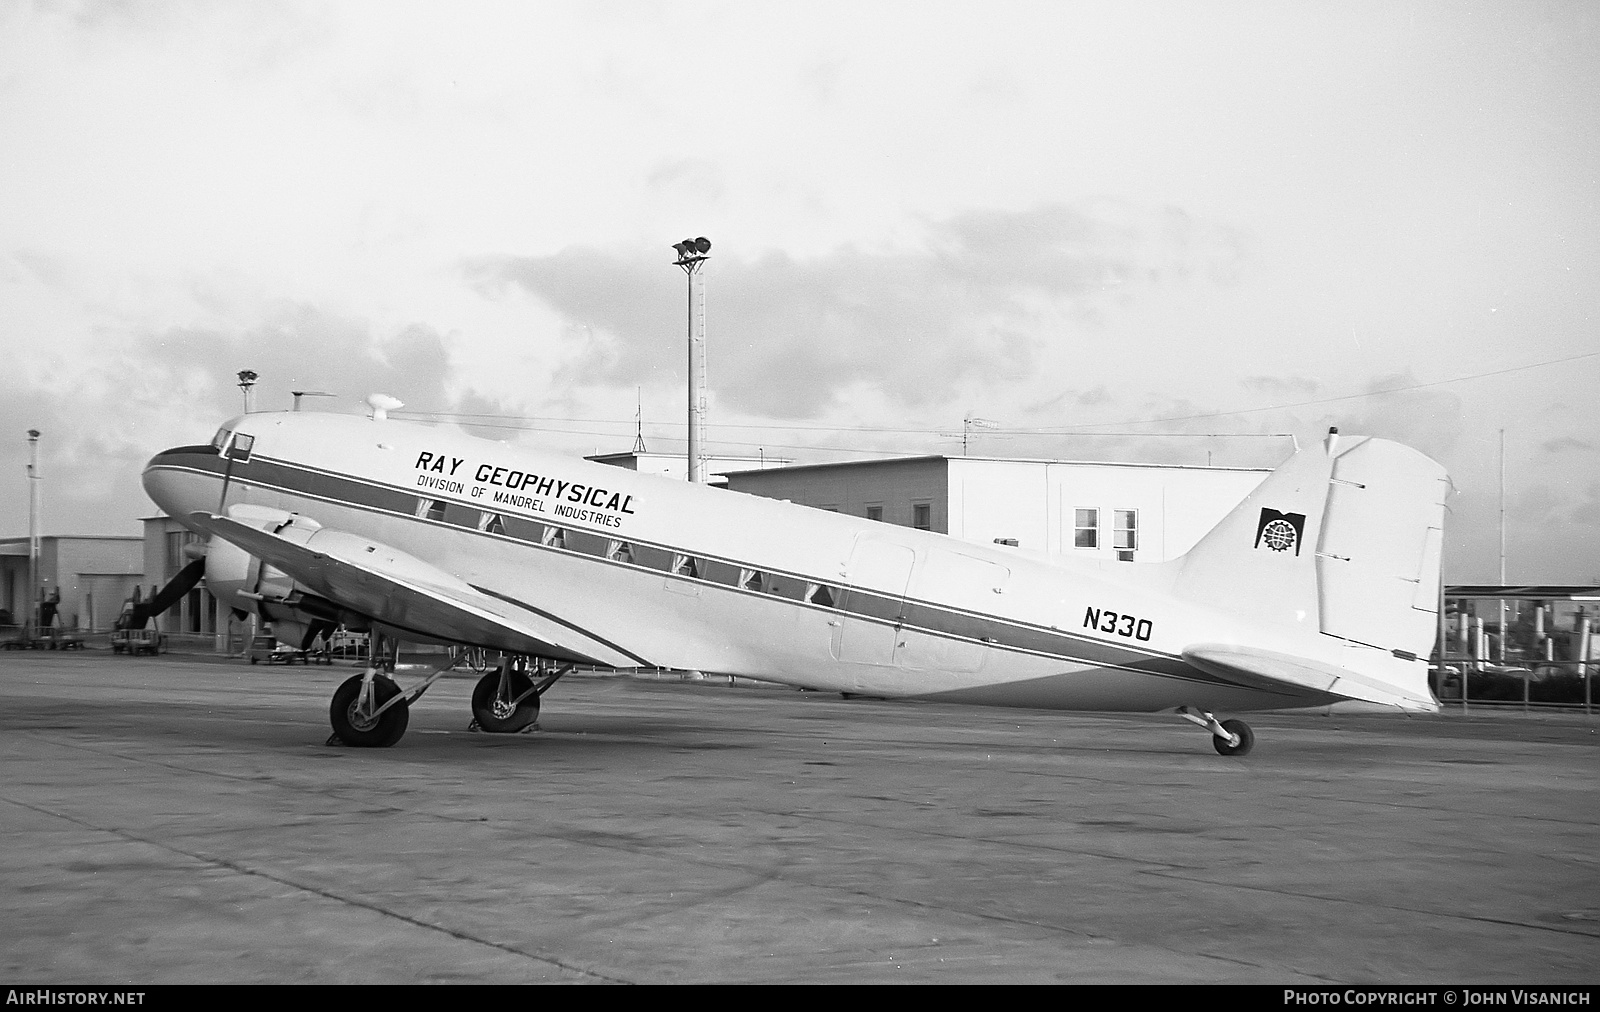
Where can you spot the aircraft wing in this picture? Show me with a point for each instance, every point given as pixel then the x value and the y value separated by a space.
pixel 411 595
pixel 1265 669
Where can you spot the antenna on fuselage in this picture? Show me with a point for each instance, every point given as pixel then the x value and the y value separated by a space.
pixel 382 404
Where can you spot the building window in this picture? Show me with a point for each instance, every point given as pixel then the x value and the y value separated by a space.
pixel 1086 529
pixel 176 540
pixel 875 513
pixel 922 516
pixel 1125 535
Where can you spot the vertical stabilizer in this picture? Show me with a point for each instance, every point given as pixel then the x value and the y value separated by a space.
pixel 1261 559
pixel 1343 539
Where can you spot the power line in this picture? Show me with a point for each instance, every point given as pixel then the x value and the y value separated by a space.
pixel 504 421
pixel 1341 397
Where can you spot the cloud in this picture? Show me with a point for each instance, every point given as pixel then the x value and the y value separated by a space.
pixel 1563 443
pixel 1282 387
pixel 979 303
pixel 118 407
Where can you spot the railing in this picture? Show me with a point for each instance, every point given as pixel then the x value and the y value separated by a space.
pixel 1535 684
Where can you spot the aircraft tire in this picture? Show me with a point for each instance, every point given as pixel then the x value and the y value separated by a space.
pixel 492 716
pixel 1247 738
pixel 380 734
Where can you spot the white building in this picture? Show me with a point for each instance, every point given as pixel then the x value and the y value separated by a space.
pixel 89 577
pixel 677 465
pixel 1131 512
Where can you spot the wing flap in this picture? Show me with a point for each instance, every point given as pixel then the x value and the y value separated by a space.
pixel 1271 670
pixel 409 594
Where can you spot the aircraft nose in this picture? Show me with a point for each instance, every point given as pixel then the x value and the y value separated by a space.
pixel 175 479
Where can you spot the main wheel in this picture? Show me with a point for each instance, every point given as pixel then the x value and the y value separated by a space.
pixel 361 731
pixel 492 702
pixel 1247 738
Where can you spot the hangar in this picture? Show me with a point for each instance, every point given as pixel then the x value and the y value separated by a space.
pixel 92 574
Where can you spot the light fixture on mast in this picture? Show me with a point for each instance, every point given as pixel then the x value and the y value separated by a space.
pixel 691 254
pixel 247 382
pixel 35 595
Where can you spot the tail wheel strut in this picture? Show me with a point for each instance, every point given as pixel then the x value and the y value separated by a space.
pixel 1228 737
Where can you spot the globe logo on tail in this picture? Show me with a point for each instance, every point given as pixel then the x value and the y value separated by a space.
pixel 1280 532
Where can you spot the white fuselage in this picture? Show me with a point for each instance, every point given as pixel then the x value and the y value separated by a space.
pixel 684 576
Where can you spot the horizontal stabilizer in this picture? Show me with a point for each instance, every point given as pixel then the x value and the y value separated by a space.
pixel 1265 669
pixel 408 594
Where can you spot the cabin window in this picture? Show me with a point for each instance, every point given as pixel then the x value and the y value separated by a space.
pixel 786 587
pixel 430 509
pixel 686 565
pixel 523 530
pixel 750 579
pixel 658 559
pixel 819 594
pixel 555 537
pixel 492 523
pixel 875 513
pixel 1086 529
pixel 922 516
pixel 721 572
pixel 1125 532
pixel 589 544
pixel 619 551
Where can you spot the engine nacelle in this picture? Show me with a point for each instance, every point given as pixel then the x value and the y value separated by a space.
pixel 246 584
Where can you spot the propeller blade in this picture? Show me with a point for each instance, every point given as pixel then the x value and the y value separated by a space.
pixel 180 585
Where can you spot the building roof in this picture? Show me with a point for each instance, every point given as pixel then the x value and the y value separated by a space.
pixel 1535 592
pixel 871 461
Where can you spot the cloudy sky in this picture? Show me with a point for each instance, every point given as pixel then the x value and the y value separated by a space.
pixel 1166 231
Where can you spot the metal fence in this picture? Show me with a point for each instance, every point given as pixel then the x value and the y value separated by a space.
pixel 1471 681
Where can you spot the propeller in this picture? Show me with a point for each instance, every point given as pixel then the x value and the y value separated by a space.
pixel 169 595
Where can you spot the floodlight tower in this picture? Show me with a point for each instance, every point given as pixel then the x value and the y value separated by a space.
pixel 247 382
pixel 691 254
pixel 32 623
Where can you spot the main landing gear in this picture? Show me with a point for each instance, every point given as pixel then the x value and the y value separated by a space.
pixel 506 700
pixel 371 711
pixel 1228 737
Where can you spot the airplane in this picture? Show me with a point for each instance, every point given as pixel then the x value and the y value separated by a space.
pixel 1319 590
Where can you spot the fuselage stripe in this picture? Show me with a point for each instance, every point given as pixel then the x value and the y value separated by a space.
pixel 856 603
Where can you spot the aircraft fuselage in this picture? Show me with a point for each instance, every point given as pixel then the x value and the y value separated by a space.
pixel 662 573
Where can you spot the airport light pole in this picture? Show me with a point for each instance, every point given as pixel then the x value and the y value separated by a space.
pixel 247 382
pixel 691 254
pixel 34 595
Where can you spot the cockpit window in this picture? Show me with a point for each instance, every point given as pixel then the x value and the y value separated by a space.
pixel 221 438
pixel 242 445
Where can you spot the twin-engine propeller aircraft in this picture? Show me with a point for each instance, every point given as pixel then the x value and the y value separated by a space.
pixel 1320 588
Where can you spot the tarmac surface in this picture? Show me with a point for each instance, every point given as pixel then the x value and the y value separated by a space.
pixel 169 820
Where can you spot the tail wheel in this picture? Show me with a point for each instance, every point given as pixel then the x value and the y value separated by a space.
pixel 1240 729
pixel 356 728
pixel 496 703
